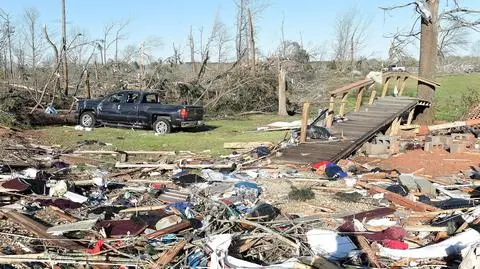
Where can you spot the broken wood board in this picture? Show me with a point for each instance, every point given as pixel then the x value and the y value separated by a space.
pixel 246 145
pixel 398 199
pixel 40 230
pixel 83 225
pixel 170 253
pixel 165 166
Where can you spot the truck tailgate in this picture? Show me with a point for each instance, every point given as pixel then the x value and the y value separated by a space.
pixel 194 113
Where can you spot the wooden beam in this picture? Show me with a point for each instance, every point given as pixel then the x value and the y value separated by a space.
pixel 358 102
pixel 402 88
pixel 303 130
pixel 367 249
pixel 184 224
pixel 410 116
pixel 167 256
pixel 385 86
pixel 373 94
pixel 351 86
pixel 398 199
pixel 342 104
pixel 41 230
pixel 330 111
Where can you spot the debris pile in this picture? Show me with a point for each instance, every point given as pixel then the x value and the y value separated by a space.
pixel 94 205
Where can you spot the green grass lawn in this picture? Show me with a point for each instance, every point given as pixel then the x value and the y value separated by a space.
pixel 448 106
pixel 239 130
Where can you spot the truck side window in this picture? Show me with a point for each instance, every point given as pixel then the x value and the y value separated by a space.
pixel 132 97
pixel 116 98
pixel 150 98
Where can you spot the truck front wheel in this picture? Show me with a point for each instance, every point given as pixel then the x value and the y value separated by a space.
pixel 162 126
pixel 87 120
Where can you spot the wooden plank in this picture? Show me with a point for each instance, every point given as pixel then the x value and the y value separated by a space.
pixel 410 116
pixel 358 102
pixel 303 130
pixel 40 230
pixel 349 87
pixel 184 224
pixel 398 199
pixel 385 86
pixel 373 94
pixel 367 249
pixel 167 256
pixel 342 104
pixel 402 88
pixel 330 111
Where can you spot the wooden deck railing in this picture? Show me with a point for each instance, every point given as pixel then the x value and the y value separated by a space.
pixel 360 88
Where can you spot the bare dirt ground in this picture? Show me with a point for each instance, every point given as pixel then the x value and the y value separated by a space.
pixel 435 163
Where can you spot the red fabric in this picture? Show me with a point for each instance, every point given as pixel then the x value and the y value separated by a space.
pixel 395 233
pixel 319 164
pixel 97 248
pixel 394 244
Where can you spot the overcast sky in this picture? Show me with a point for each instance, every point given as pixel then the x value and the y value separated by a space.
pixel 170 20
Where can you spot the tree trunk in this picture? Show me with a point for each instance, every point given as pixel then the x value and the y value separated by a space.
pixel 87 85
pixel 9 35
pixel 64 50
pixel 239 40
pixel 251 40
pixel 282 97
pixel 428 61
pixel 192 51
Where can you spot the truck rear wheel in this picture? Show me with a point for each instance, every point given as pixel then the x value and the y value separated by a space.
pixel 162 126
pixel 87 119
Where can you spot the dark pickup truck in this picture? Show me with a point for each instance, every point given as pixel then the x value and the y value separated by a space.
pixel 137 109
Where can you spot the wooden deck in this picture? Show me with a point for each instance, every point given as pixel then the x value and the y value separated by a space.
pixel 360 127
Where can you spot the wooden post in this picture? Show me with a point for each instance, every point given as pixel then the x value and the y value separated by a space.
pixel 358 102
pixel 330 112
pixel 342 104
pixel 385 86
pixel 410 116
pixel 402 88
pixel 397 84
pixel 303 130
pixel 395 126
pixel 373 94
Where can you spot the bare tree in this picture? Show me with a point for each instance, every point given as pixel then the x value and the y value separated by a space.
pixel 33 37
pixel 241 35
pixel 452 19
pixel 251 40
pixel 191 43
pixel 350 35
pixel 8 31
pixel 56 53
pixel 221 39
pixel 64 50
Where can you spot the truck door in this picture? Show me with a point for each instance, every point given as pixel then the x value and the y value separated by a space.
pixel 128 108
pixel 109 108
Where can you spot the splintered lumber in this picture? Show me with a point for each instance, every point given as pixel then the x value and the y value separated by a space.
pixel 170 254
pixel 172 229
pixel 165 166
pixel 40 230
pixel 367 249
pixel 246 145
pixel 398 199
pixel 143 208
pixel 63 259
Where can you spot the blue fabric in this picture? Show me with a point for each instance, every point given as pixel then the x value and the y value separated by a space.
pixel 334 171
